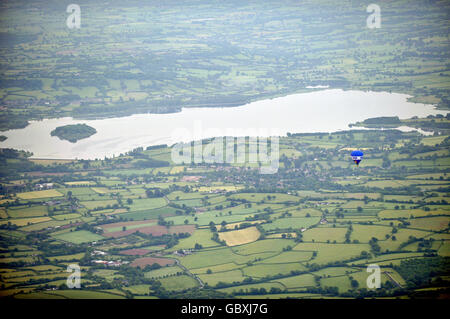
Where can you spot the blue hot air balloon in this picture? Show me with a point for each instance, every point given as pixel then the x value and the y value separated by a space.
pixel 357 156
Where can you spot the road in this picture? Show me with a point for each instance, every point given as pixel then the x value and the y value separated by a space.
pixel 392 279
pixel 190 274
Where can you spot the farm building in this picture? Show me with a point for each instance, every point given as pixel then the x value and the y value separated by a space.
pixel 44 186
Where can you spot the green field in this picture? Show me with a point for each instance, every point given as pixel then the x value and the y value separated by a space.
pixel 163 272
pixel 147 204
pixel 289 257
pixel 292 223
pixel 332 252
pixel 39 194
pixel 178 282
pixel 324 234
pixel 264 270
pixel 79 237
pixel 28 211
pixel 225 277
pixel 200 236
pixel 296 282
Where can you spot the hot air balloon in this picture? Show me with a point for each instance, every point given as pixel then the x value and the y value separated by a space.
pixel 357 156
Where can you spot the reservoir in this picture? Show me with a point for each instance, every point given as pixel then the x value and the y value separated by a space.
pixel 327 110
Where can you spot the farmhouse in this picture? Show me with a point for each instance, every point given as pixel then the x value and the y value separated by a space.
pixel 43 186
pixel 114 263
pixel 98 252
pixel 191 178
pixel 183 252
pixel 53 202
pixel 217 191
pixel 110 263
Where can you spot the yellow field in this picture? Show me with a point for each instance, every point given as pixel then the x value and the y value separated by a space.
pixel 67 257
pixel 100 190
pixel 45 268
pixel 3 213
pixel 177 169
pixel 24 221
pixel 79 183
pixel 432 140
pixel 241 236
pixel 13 291
pixel 3 270
pixel 39 194
pixel 2 201
pixel 227 188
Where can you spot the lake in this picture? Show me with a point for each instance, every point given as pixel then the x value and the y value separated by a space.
pixel 327 110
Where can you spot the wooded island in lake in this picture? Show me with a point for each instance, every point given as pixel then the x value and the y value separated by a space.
pixel 73 133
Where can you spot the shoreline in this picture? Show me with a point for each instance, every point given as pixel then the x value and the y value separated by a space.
pixel 245 101
pixel 151 130
pixel 284 136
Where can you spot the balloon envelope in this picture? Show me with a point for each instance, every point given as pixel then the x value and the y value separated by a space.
pixel 357 153
pixel 357 156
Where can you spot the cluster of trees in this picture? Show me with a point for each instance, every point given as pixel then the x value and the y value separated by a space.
pixel 215 234
pixel 150 162
pixel 156 147
pixel 13 163
pixel 348 234
pixel 383 120
pixel 413 239
pixel 74 132
pixel 192 293
pixel 12 120
pixel 163 222
pixel 156 192
pixel 374 246
pixel 26 84
pixel 425 271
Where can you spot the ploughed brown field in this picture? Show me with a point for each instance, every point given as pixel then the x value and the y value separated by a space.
pixel 135 252
pixel 144 261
